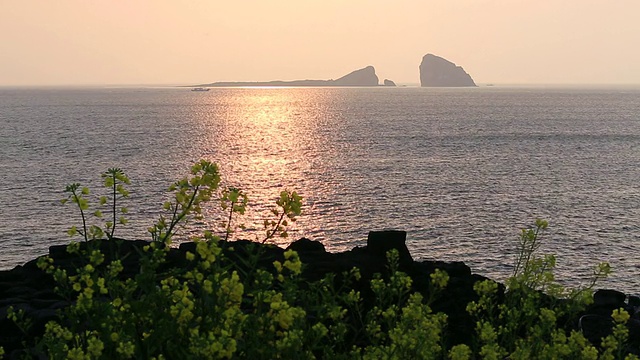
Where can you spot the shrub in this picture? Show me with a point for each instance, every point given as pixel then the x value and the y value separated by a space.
pixel 213 307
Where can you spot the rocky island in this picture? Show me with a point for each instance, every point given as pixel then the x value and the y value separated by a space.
pixel 362 77
pixel 439 72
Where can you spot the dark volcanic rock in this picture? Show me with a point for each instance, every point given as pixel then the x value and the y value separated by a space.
pixel 438 72
pixel 28 288
pixel 379 242
pixel 306 246
pixel 609 298
pixel 388 82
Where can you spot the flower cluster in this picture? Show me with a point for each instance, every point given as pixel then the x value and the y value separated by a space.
pixel 218 308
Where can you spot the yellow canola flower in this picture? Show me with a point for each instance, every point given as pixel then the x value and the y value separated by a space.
pixel 292 261
pixel 88 293
pixel 439 278
pixel 460 352
pixel 126 349
pixel 115 267
pixel 353 296
pixel 547 316
pixel 620 316
pixel 58 331
pixel 207 286
pixel 232 287
pixel 486 332
pixel 101 286
pixel 486 287
pixel 321 329
pixel 77 354
pixel 97 257
pixel 278 265
pixel 95 347
pixel 282 313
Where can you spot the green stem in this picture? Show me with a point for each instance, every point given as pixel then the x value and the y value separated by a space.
pixel 185 210
pixel 113 225
pixel 228 229
pixel 270 235
pixel 84 221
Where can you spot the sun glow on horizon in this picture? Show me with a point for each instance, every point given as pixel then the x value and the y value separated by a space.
pixel 75 42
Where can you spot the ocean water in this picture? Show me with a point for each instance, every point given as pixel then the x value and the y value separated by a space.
pixel 461 170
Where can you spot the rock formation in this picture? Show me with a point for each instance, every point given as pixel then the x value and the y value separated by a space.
pixel 438 72
pixel 388 82
pixel 362 77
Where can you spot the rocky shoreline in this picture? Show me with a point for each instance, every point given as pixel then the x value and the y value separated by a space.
pixel 31 289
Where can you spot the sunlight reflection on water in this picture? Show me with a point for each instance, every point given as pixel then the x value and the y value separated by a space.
pixel 267 142
pixel 461 170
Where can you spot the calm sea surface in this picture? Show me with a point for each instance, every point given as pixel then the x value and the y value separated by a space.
pixel 461 170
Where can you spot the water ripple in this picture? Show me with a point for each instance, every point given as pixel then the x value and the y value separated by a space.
pixel 461 170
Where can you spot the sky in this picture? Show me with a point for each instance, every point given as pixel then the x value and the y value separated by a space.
pixel 171 42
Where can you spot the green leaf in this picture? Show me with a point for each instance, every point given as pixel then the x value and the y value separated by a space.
pixel 83 203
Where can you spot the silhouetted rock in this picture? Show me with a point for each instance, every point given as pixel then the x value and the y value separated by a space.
pixel 380 242
pixel 439 72
pixel 362 77
pixel 388 82
pixel 610 298
pixel 306 246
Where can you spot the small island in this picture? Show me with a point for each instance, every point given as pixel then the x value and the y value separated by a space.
pixel 439 72
pixel 362 77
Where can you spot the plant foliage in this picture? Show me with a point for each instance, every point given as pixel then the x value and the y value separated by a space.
pixel 214 308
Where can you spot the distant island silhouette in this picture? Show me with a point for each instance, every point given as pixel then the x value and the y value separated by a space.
pixel 362 77
pixel 436 71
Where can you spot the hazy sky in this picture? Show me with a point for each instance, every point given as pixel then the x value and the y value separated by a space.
pixel 76 42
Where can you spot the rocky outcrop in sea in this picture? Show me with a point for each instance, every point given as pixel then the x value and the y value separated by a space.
pixel 436 71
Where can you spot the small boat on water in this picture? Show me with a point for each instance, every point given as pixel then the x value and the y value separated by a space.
pixel 200 89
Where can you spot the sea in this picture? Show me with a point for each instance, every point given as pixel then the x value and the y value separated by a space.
pixel 461 170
